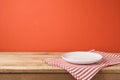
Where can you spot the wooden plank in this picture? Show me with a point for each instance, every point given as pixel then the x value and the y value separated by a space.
pixel 54 77
pixel 106 77
pixel 22 63
pixel 36 77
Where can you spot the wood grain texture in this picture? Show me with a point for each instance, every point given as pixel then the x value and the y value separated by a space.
pixel 106 77
pixel 54 77
pixel 34 62
pixel 32 66
pixel 36 77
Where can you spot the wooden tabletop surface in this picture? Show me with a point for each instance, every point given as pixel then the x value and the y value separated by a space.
pixel 34 62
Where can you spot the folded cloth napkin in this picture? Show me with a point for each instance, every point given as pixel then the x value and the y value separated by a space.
pixel 86 72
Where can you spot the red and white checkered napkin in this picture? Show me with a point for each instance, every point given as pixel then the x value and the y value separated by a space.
pixel 86 72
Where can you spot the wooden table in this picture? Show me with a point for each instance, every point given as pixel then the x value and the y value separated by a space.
pixel 31 66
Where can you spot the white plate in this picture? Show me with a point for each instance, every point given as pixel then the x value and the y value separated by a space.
pixel 81 57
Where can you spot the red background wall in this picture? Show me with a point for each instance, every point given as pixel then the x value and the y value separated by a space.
pixel 59 25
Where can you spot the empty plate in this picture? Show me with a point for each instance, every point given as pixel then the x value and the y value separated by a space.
pixel 81 57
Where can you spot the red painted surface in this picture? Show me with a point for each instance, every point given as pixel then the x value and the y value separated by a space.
pixel 59 25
